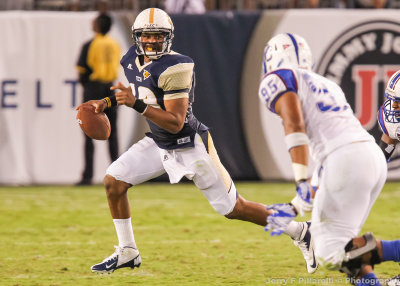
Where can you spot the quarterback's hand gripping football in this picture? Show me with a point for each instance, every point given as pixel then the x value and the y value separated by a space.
pixel 125 95
pixel 303 201
pixel 282 216
pixel 99 105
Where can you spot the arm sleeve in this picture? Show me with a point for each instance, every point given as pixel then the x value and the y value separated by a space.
pixel 176 81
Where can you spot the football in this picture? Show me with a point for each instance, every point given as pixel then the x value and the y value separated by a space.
pixel 95 125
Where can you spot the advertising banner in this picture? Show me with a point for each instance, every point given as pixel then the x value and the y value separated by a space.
pixel 40 140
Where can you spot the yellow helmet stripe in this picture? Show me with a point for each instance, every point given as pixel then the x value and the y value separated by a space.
pixel 151 17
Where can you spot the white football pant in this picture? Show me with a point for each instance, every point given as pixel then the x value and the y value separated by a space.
pixel 144 161
pixel 351 179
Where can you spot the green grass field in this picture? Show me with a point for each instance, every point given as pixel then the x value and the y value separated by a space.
pixel 51 235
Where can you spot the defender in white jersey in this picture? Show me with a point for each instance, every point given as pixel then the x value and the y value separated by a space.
pixel 352 169
pixel 389 123
pixel 389 116
pixel 162 90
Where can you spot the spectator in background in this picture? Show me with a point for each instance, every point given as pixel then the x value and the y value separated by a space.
pixel 307 4
pixel 185 6
pixel 290 4
pixel 378 4
pixel 312 3
pixel 319 3
pixel 98 66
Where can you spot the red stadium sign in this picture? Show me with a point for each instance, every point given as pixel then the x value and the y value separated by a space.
pixel 361 60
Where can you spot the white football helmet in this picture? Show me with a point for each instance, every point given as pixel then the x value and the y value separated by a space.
pixel 287 51
pixel 153 20
pixel 392 93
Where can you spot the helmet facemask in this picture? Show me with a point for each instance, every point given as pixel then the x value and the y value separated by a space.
pixel 154 49
pixel 391 115
pixel 391 107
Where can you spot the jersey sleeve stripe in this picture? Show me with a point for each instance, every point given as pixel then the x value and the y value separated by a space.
pixel 176 91
pixel 272 106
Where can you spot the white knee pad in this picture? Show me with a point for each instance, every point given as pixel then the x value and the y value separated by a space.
pixel 225 205
pixel 222 200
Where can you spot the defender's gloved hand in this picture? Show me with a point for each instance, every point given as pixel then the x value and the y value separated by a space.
pixel 303 201
pixel 282 216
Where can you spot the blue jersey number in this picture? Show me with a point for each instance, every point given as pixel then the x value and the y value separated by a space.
pixel 269 90
pixel 331 105
pixel 327 102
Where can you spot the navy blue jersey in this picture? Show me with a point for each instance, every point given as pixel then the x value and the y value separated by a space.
pixel 170 77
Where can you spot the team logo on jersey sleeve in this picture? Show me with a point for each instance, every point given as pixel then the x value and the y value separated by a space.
pixel 361 60
pixel 146 74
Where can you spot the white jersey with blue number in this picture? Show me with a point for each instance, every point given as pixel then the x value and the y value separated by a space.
pixel 329 119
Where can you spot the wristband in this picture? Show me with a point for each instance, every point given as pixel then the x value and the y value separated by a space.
pixel 140 106
pixel 300 172
pixel 111 101
pixel 296 139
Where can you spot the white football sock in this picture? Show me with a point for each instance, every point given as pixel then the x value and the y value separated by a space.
pixel 294 229
pixel 124 232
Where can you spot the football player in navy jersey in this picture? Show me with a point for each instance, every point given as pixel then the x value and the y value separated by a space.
pixel 161 89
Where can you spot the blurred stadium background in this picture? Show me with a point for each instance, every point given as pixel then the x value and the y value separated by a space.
pixel 40 41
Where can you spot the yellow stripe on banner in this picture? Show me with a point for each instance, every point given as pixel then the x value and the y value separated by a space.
pixel 151 17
